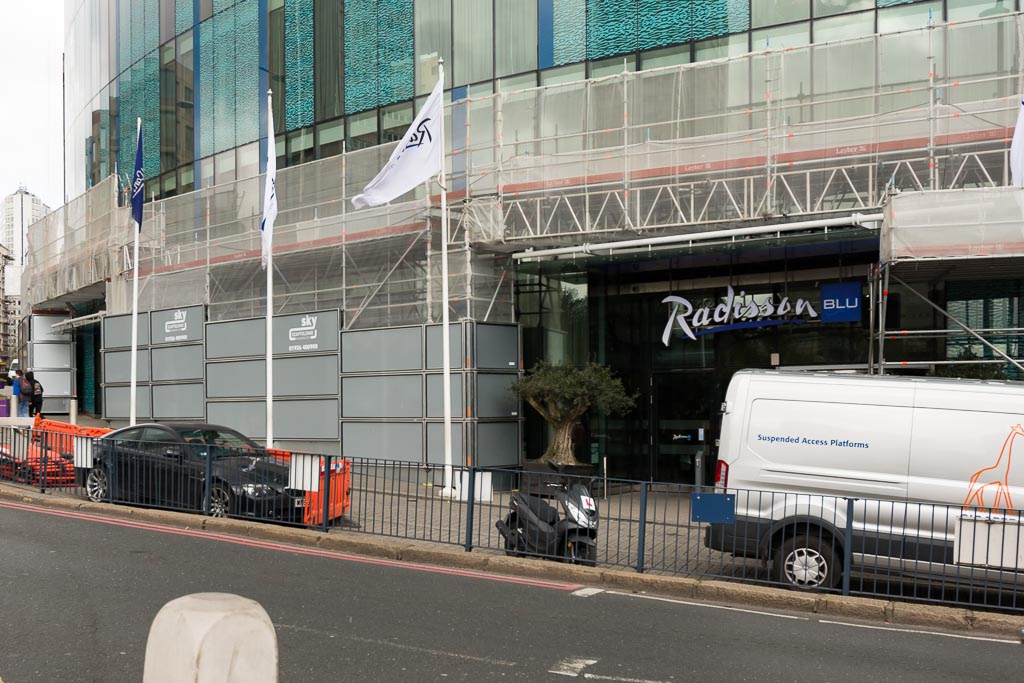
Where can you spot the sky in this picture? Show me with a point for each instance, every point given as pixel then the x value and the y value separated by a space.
pixel 31 43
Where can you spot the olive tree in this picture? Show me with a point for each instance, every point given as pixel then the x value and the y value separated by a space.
pixel 562 394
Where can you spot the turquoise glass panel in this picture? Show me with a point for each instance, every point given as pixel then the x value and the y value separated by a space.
pixel 148 70
pixel 664 23
pixel 151 27
pixel 714 18
pixel 206 42
pixel 394 43
pixel 183 16
pixel 611 27
pixel 247 72
pixel 124 35
pixel 220 5
pixel 360 55
pixel 570 31
pixel 298 63
pixel 138 35
pixel 223 80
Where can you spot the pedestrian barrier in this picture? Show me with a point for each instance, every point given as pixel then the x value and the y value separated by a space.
pixel 945 554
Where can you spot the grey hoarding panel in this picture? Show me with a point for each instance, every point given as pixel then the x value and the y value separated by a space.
pixel 399 348
pixel 117 366
pixel 56 406
pixel 55 382
pixel 117 331
pixel 435 396
pixel 497 346
pixel 236 339
pixel 313 420
pixel 236 379
pixel 42 330
pixel 493 398
pixel 300 377
pixel 497 444
pixel 177 362
pixel 435 444
pixel 306 332
pixel 178 401
pixel 50 354
pixel 435 344
pixel 116 404
pixel 385 396
pixel 385 440
pixel 177 325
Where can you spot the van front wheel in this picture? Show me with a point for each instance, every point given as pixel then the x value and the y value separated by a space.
pixel 807 563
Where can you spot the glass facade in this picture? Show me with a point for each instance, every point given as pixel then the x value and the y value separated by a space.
pixel 191 69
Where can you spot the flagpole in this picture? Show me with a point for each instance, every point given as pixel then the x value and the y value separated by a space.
pixel 270 298
pixel 446 363
pixel 135 301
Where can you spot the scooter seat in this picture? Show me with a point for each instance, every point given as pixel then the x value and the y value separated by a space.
pixel 537 506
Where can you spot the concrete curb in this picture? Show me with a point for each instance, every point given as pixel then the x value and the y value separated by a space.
pixel 421 552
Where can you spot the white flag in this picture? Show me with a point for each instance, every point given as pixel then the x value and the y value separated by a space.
pixel 417 157
pixel 270 192
pixel 1017 150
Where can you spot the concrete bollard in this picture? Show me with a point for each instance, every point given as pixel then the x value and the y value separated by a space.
pixel 211 638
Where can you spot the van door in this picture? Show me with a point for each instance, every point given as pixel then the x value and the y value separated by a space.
pixel 962 468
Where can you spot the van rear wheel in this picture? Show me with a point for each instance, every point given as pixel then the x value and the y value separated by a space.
pixel 807 563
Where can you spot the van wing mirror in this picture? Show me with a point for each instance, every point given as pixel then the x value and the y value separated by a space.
pixel 724 407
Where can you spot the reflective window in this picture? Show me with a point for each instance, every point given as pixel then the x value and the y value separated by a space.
pixel 565 74
pixel 515 38
pixel 768 12
pixel 717 48
pixel 168 108
pixel 668 56
pixel 248 161
pixel 908 16
pixel 474 45
pixel 515 83
pixel 781 37
pixel 841 28
pixel 225 167
pixel 432 34
pixel 185 99
pixel 962 10
pixel 612 66
pixel 186 179
pixel 331 137
pixel 395 120
pixel 362 130
pixel 328 58
pixel 826 8
pixel 166 20
pixel 300 146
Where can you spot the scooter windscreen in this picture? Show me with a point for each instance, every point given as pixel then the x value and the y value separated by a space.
pixel 581 506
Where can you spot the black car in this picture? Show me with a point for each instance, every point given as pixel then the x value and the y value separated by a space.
pixel 173 465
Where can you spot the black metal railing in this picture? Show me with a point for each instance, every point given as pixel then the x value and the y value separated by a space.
pixel 946 554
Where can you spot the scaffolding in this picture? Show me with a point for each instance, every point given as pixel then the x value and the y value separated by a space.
pixel 960 255
pixel 811 133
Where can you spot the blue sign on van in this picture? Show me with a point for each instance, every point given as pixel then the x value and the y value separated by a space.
pixel 841 302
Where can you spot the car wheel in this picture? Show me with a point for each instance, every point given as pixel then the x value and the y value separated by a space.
pixel 807 563
pixel 97 485
pixel 220 501
pixel 578 551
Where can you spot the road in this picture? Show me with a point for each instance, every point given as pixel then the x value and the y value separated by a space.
pixel 78 593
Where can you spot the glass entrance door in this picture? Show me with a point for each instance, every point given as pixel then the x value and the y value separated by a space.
pixel 684 425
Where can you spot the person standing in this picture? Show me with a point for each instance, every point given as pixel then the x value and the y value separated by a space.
pixel 36 404
pixel 23 390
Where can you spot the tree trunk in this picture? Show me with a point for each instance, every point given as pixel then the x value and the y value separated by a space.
pixel 560 451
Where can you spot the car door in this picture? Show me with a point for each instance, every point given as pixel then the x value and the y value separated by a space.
pixel 120 457
pixel 160 462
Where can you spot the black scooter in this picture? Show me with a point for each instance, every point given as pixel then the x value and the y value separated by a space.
pixel 533 527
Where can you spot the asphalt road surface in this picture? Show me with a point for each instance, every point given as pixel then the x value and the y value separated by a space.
pixel 78 593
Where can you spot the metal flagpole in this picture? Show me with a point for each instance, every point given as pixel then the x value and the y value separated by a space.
pixel 270 295
pixel 446 363
pixel 132 413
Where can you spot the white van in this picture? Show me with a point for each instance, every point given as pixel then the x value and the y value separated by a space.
pixel 928 464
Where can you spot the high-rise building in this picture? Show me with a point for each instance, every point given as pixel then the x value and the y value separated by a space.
pixel 673 189
pixel 18 211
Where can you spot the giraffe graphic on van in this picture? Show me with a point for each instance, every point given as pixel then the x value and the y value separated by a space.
pixel 990 487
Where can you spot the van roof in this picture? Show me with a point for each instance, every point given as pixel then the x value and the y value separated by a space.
pixel 888 379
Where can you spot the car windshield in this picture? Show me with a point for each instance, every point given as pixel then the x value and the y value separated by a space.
pixel 221 442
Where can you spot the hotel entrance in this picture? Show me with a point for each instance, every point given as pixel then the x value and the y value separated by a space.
pixel 685 425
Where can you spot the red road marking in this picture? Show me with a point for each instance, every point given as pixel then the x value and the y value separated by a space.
pixel 281 547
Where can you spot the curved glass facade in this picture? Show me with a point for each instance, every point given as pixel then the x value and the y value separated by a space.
pixel 348 71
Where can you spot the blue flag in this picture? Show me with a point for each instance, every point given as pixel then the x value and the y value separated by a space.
pixel 138 181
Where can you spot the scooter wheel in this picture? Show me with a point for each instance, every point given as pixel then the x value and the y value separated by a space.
pixel 511 548
pixel 580 552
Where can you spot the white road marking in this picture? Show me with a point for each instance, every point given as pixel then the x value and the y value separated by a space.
pixel 710 606
pixel 571 666
pixel 401 646
pixel 927 633
pixel 587 592
pixel 619 679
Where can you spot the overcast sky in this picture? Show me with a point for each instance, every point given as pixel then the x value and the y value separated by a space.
pixel 31 42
